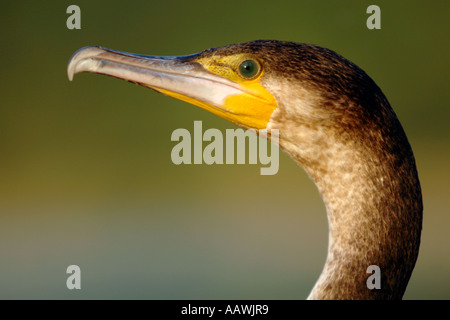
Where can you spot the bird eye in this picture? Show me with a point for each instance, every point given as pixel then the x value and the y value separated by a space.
pixel 249 69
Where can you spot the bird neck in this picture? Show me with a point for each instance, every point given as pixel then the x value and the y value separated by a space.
pixel 364 231
pixel 373 201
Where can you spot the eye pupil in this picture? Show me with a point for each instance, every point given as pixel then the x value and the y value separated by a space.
pixel 249 69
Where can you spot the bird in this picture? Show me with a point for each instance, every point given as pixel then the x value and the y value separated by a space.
pixel 332 119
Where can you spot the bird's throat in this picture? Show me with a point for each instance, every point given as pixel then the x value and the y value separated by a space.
pixel 373 201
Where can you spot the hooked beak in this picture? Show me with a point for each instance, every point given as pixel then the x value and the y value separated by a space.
pixel 177 76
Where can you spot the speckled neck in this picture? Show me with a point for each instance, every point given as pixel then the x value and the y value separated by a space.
pixel 369 184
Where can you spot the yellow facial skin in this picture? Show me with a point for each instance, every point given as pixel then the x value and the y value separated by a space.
pixel 252 109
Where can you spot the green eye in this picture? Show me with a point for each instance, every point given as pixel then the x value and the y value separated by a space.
pixel 249 69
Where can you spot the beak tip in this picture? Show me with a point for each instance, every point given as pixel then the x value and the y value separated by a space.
pixel 70 69
pixel 70 73
pixel 79 61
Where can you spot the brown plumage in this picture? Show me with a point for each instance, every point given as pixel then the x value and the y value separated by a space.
pixel 336 123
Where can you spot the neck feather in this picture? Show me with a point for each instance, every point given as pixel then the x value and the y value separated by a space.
pixel 369 184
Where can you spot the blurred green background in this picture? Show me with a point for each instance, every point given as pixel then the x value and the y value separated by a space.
pixel 85 168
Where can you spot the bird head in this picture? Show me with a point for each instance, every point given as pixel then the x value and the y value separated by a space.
pixel 310 94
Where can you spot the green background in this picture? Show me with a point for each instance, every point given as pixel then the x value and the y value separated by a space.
pixel 85 168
